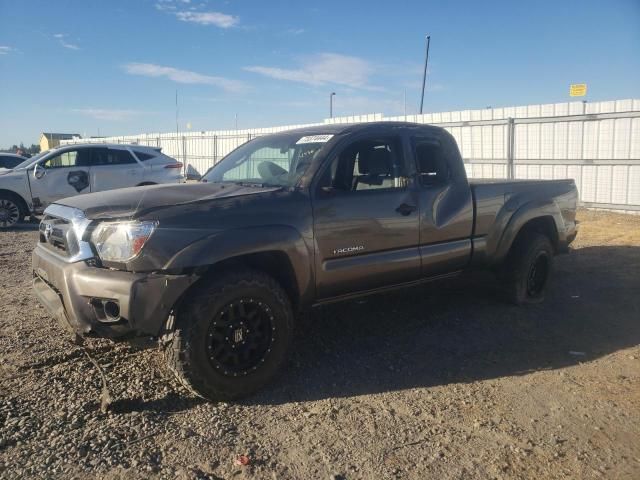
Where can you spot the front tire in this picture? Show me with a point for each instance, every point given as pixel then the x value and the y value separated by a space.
pixel 528 269
pixel 231 336
pixel 11 211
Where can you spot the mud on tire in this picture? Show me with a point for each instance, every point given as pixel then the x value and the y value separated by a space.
pixel 232 335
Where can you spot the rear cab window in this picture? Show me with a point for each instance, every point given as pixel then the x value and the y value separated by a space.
pixel 431 161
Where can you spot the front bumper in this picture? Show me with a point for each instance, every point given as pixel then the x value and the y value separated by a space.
pixel 70 292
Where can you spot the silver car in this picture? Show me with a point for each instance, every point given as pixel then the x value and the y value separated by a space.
pixel 71 170
pixel 10 160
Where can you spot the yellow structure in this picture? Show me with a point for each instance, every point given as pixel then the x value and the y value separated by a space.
pixel 578 90
pixel 50 140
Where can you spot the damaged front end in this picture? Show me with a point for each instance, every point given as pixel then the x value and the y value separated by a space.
pixel 90 300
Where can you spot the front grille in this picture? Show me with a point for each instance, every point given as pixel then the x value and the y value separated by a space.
pixel 61 231
pixel 58 234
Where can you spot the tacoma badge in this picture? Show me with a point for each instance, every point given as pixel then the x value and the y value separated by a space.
pixel 356 248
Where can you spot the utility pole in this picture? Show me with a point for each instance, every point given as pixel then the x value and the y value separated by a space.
pixel 424 75
pixel 404 99
pixel 177 128
pixel 331 104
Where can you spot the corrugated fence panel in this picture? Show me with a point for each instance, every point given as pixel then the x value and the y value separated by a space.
pixel 605 139
pixel 634 148
pixel 622 139
pixel 633 181
pixel 499 141
pixel 601 154
pixel 560 140
pixel 574 140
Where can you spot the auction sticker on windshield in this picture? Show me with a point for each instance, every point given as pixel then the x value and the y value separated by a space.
pixel 314 139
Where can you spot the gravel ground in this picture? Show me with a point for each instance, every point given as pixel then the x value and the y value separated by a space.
pixel 443 381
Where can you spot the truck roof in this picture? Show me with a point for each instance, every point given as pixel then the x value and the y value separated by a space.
pixel 340 128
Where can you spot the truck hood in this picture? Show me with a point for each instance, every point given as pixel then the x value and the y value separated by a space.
pixel 137 201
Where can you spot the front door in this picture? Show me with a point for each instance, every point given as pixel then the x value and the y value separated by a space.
pixel 64 175
pixel 366 219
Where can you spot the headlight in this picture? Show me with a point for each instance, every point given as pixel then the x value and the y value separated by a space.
pixel 121 241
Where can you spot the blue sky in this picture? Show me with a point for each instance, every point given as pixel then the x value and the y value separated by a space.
pixel 112 67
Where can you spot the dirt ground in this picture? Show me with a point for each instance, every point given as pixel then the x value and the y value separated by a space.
pixel 441 381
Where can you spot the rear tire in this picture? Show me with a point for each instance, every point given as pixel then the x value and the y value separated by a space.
pixel 12 211
pixel 231 336
pixel 527 269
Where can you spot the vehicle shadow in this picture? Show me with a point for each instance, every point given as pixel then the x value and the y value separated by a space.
pixel 462 331
pixel 26 226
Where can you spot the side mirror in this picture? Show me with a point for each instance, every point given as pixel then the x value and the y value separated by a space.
pixel 39 171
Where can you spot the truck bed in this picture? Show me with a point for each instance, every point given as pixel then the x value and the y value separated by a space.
pixel 497 201
pixel 513 181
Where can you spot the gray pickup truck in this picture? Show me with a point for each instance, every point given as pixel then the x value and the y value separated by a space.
pixel 219 271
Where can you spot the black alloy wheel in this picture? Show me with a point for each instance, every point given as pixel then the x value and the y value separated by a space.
pixel 241 336
pixel 538 274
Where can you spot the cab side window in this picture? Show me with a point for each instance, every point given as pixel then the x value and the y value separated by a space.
pixel 371 164
pixel 431 162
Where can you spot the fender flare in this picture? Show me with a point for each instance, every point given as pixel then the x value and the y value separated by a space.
pixel 527 212
pixel 240 242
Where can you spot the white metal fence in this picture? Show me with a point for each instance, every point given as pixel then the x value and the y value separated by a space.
pixel 596 144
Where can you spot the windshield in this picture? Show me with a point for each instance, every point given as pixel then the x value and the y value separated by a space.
pixel 30 161
pixel 273 160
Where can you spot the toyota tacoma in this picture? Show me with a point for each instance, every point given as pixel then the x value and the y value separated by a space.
pixel 220 271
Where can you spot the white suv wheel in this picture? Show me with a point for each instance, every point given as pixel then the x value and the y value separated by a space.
pixel 9 213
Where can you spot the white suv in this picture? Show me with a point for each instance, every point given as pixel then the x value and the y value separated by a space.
pixel 75 169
